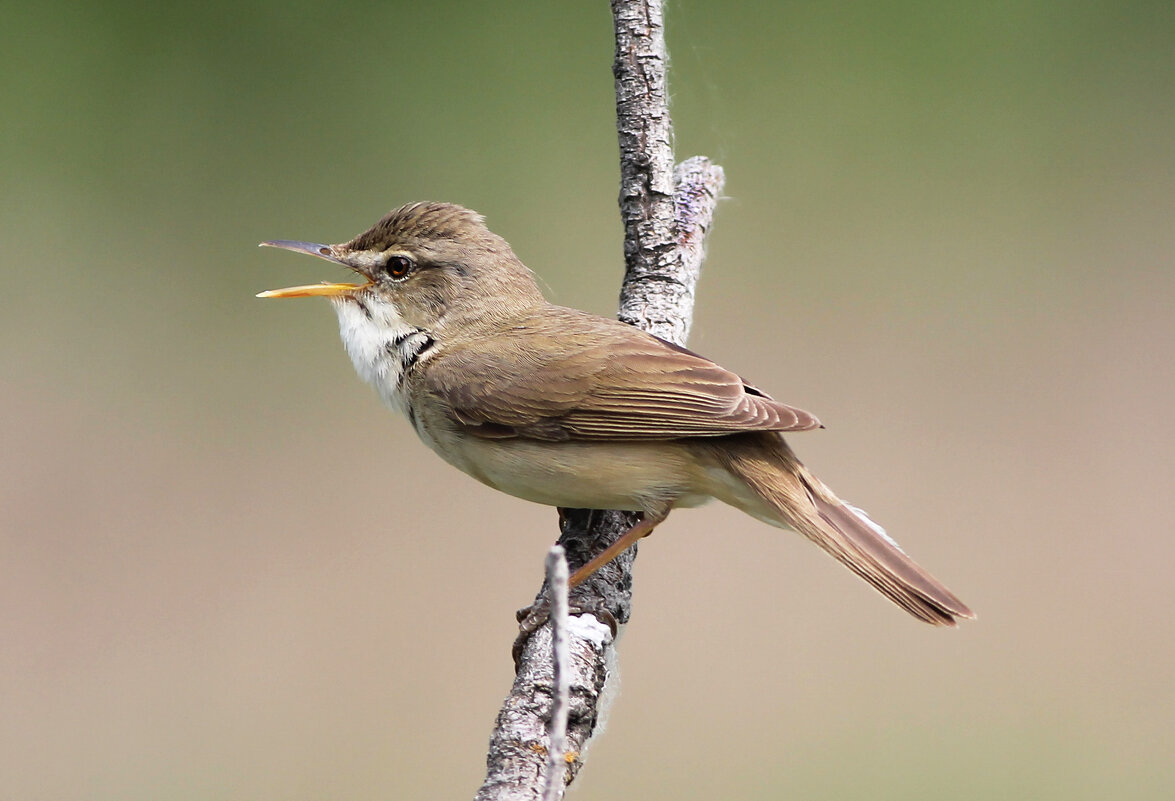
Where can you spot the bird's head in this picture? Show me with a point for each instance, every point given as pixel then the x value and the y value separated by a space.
pixel 430 265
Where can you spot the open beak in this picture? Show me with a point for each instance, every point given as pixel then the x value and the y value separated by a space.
pixel 324 289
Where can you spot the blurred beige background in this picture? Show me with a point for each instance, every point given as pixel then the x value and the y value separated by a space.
pixel 227 573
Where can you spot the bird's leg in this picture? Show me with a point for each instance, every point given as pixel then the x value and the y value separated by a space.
pixel 641 529
pixel 535 615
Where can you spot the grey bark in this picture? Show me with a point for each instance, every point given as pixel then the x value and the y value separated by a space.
pixel 557 580
pixel 666 213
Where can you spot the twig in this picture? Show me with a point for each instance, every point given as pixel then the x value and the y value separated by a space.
pixel 557 577
pixel 666 215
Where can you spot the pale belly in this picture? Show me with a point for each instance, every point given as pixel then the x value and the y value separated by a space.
pixel 637 476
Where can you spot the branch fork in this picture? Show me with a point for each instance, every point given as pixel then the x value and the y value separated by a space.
pixel 667 213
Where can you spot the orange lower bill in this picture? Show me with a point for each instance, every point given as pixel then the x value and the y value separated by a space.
pixel 323 290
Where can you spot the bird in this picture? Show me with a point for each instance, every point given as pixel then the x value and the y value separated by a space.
pixel 565 408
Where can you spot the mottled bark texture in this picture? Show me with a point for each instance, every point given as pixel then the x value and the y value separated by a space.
pixel 666 213
pixel 558 578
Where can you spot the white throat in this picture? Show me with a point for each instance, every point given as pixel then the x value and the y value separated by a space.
pixel 381 345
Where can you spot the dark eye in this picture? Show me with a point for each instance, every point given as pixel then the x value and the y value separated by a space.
pixel 398 267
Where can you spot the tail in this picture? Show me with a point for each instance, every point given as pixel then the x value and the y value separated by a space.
pixel 801 501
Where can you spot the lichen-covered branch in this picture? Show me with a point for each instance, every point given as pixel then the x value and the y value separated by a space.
pixel 666 214
pixel 662 301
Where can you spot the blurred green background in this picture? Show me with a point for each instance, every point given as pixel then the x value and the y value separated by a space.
pixel 227 573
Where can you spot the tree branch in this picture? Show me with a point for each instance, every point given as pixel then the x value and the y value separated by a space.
pixel 557 580
pixel 666 213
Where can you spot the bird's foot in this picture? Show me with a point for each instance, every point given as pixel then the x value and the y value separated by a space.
pixel 531 619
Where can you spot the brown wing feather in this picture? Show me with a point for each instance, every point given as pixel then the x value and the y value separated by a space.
pixel 618 383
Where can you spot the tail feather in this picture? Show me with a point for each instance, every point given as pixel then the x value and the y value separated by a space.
pixel 879 560
pixel 801 501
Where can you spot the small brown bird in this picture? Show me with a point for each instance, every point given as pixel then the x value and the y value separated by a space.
pixel 568 409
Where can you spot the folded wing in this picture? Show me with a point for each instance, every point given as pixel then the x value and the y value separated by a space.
pixel 617 383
